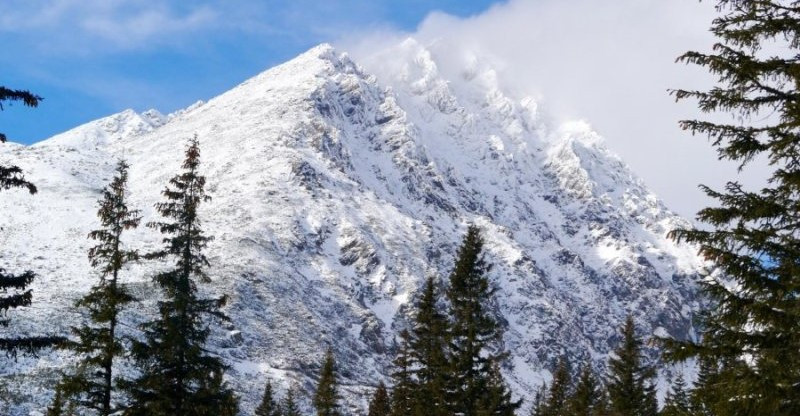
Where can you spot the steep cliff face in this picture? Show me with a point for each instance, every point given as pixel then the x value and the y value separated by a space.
pixel 335 194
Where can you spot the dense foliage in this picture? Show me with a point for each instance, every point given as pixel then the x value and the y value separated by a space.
pixel 751 334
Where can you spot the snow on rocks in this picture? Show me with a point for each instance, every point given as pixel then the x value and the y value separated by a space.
pixel 336 192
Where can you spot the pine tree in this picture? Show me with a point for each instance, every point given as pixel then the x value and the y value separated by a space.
pixel 497 400
pixel 380 405
pixel 178 377
pixel 630 387
pixel 56 407
pixel 677 401
pixel 326 398
pixel 21 297
pixel 62 403
pixel 751 236
pixel 474 333
pixel 603 406
pixel 404 391
pixel 560 390
pixel 12 177
pixel 700 396
pixel 706 397
pixel 268 406
pixel 290 407
pixel 98 343
pixel 586 396
pixel 29 99
pixel 539 405
pixel 428 343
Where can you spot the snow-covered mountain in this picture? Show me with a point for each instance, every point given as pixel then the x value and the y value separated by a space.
pixel 335 194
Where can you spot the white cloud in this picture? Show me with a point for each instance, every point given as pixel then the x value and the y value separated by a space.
pixel 608 62
pixel 70 25
pixel 145 25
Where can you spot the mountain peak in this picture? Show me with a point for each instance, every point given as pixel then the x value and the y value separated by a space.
pixel 100 132
pixel 338 188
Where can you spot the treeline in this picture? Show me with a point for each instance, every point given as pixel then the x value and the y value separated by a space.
pixel 448 362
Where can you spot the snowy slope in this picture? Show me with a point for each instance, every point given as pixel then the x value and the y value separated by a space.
pixel 335 193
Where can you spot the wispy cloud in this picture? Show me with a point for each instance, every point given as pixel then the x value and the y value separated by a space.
pixel 608 62
pixel 70 25
pixel 113 26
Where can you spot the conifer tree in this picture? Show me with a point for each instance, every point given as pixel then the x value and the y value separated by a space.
pixel 62 403
pixel 290 407
pixel 98 344
pixel 700 396
pixel 326 398
pixel 497 400
pixel 12 176
pixel 17 284
pixel 268 406
pixel 178 376
pixel 404 399
pixel 677 401
pixel 706 397
pixel 539 405
pixel 630 386
pixel 428 343
pixel 28 99
pixel 475 334
pixel 587 396
pixel 380 405
pixel 20 296
pixel 751 236
pixel 560 390
pixel 56 407
pixel 603 406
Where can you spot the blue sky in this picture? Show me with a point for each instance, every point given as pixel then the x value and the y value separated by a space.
pixel 606 62
pixel 92 58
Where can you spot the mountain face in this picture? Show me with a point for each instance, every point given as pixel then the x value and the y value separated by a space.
pixel 335 194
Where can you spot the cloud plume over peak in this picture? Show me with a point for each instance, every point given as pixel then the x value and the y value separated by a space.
pixel 610 63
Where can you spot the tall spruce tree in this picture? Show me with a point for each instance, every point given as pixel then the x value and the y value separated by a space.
pixel 178 376
pixel 381 404
pixel 475 335
pixel 11 176
pixel 707 398
pixel 326 398
pixel 427 344
pixel 752 236
pixel 677 401
pixel 289 406
pixel 560 390
pixel 61 405
pixel 586 397
pixel 405 387
pixel 268 405
pixel 497 400
pixel 98 343
pixel 539 402
pixel 630 386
